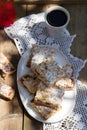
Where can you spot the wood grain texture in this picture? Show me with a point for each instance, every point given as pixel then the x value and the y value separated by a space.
pixel 30 123
pixel 51 1
pixel 11 122
pixel 11 116
pixel 20 10
pixel 78 26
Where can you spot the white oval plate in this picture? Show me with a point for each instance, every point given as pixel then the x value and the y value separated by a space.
pixel 68 100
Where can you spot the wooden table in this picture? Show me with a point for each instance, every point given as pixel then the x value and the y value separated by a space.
pixel 13 116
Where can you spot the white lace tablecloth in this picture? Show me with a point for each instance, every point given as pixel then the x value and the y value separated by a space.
pixel 32 29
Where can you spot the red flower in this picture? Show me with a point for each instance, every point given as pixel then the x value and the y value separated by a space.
pixel 7 13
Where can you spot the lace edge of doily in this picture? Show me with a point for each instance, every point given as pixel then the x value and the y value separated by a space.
pixel 69 51
pixel 81 66
pixel 54 125
pixel 5 29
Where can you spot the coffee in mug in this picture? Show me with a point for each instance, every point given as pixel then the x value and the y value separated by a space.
pixel 57 19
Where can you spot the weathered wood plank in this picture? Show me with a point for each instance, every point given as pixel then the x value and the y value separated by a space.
pixel 20 10
pixel 30 123
pixel 51 1
pixel 78 26
pixel 11 116
pixel 37 8
pixel 11 122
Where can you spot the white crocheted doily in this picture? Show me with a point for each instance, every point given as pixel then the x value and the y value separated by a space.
pixel 32 29
pixel 77 120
